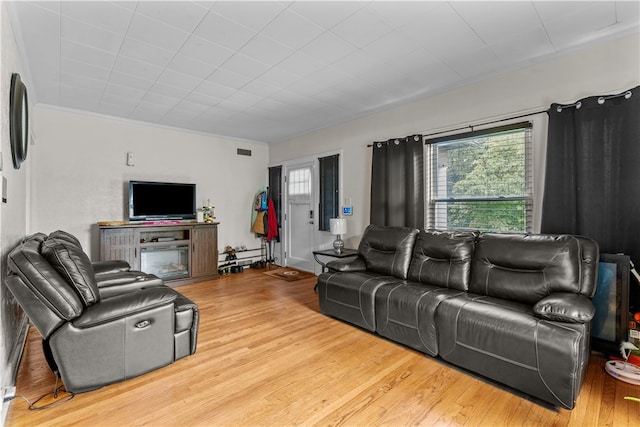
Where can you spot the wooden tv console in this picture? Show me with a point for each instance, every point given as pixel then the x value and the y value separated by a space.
pixel 179 253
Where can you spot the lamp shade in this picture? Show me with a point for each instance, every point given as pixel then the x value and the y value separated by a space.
pixel 338 225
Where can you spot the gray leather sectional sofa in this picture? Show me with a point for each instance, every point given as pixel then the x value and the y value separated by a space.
pixel 513 308
pixel 100 322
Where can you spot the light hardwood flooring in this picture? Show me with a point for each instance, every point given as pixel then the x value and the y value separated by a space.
pixel 267 356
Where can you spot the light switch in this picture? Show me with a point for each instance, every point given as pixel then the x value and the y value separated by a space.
pixel 130 159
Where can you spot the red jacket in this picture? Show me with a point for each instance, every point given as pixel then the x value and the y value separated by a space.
pixel 272 221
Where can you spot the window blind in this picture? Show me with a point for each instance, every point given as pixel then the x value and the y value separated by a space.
pixel 481 180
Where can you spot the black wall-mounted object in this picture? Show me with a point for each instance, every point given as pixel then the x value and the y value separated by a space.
pixel 18 120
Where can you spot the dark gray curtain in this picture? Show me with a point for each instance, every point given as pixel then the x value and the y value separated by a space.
pixel 592 181
pixel 397 182
pixel 275 193
pixel 329 194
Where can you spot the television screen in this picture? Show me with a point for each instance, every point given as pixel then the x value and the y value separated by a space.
pixel 161 201
pixel 609 325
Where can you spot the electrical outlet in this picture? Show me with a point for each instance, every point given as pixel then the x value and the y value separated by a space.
pixel 8 393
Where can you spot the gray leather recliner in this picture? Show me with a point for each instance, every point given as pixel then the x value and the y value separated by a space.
pixel 103 328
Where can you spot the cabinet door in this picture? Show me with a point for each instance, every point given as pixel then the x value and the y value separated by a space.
pixel 119 244
pixel 204 251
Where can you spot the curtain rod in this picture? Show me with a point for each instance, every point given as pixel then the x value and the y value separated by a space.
pixel 471 127
pixel 601 101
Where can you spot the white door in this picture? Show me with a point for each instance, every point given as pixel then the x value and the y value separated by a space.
pixel 300 216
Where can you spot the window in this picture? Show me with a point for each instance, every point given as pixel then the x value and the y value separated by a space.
pixel 481 180
pixel 300 182
pixel 329 196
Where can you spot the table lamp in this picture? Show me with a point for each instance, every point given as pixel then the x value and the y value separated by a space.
pixel 338 226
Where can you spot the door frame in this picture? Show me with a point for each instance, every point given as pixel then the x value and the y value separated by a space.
pixel 321 239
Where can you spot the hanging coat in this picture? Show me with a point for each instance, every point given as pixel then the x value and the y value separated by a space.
pixel 259 204
pixel 259 223
pixel 272 221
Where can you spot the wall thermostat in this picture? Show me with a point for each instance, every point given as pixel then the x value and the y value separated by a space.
pixel 347 210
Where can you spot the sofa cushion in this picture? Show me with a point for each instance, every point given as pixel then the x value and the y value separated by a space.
pixel 74 266
pixel 41 284
pixel 351 296
pixel 525 268
pixel 505 341
pixel 67 237
pixel 387 250
pixel 405 313
pixel 35 237
pixel 443 258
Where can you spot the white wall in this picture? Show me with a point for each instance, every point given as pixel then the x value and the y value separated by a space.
pixel 80 175
pixel 14 213
pixel 609 67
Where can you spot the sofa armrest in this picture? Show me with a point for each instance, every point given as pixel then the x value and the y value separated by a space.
pixel 121 306
pixel 124 282
pixel 565 307
pixel 347 265
pixel 109 267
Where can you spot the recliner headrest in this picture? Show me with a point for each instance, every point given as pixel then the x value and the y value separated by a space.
pixel 74 266
pixel 67 237
pixel 387 249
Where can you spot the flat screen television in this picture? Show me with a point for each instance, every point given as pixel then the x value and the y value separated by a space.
pixel 154 201
pixel 609 325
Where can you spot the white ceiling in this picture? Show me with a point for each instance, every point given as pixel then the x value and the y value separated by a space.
pixel 271 70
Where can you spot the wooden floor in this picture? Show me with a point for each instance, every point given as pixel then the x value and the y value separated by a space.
pixel 266 356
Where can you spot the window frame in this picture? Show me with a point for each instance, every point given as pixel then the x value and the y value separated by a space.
pixel 528 198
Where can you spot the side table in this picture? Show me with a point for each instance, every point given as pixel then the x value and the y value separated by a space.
pixel 333 254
